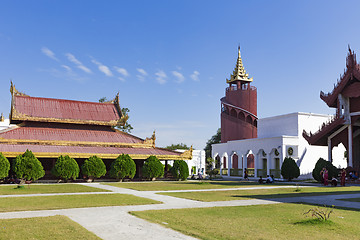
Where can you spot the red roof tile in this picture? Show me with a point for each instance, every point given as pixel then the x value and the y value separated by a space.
pixel 26 108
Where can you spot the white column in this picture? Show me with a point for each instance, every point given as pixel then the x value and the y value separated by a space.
pixel 256 159
pixel 350 141
pixel 245 163
pixel 229 164
pixel 268 164
pixel 221 164
pixel 329 150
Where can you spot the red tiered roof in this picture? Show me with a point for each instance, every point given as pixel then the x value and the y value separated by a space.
pixel 53 127
pixel 26 108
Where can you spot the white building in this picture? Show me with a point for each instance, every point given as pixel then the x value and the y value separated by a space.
pixel 196 164
pixel 278 137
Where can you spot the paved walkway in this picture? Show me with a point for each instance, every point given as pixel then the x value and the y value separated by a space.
pixel 116 222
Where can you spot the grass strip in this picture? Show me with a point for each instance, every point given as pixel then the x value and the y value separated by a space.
pixel 44 228
pixel 47 188
pixel 263 193
pixel 188 185
pixel 276 221
pixel 70 201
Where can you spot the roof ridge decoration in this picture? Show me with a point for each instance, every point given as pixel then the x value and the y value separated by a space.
pixel 151 140
pixel 352 67
pixel 14 91
pixel 188 153
pixel 239 73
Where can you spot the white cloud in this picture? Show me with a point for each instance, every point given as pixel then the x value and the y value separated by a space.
pixel 161 77
pixel 102 68
pixel 67 68
pixel 47 52
pixel 121 79
pixel 180 78
pixel 195 76
pixel 73 59
pixel 142 74
pixel 122 71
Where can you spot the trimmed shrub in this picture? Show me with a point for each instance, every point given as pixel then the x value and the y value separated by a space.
pixel 152 168
pixel 28 167
pixel 123 167
pixel 289 169
pixel 93 167
pixel 180 170
pixel 66 168
pixel 322 163
pixel 4 166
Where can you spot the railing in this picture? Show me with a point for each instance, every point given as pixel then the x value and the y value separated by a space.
pixel 244 87
pixel 251 172
pixel 262 173
pixel 236 172
pixel 276 173
pixel 224 171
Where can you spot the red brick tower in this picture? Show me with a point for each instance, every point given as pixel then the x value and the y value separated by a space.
pixel 239 106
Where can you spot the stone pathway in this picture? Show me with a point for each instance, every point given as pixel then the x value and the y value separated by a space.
pixel 116 223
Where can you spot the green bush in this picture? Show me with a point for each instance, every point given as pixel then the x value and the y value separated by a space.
pixel 66 168
pixel 289 169
pixel 212 173
pixel 93 167
pixel 4 166
pixel 320 164
pixel 152 168
pixel 123 167
pixel 28 167
pixel 180 170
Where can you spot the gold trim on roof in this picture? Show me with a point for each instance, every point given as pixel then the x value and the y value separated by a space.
pixel 188 153
pixel 100 155
pixel 239 73
pixel 76 143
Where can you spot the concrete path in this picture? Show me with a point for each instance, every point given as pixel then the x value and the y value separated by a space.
pixel 116 223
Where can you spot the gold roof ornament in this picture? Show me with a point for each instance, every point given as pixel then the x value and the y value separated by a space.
pixel 187 154
pixel 239 73
pixel 13 91
pixel 2 117
pixel 151 140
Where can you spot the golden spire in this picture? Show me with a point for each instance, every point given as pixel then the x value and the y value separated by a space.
pixel 239 73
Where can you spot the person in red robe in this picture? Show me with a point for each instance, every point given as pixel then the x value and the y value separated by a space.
pixel 326 176
pixel 342 177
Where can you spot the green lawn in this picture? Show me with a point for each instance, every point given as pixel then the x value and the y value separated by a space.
pixel 263 193
pixel 277 221
pixel 47 188
pixel 70 201
pixel 187 185
pixel 43 228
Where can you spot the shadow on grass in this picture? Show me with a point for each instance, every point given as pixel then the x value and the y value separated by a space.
pixel 314 222
pixel 232 183
pixel 295 194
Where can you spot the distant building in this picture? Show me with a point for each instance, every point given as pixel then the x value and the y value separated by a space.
pixel 261 145
pixel 196 164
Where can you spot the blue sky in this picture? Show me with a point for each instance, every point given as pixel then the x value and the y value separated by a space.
pixel 170 59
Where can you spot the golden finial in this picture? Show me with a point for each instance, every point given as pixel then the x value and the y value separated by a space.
pixel 151 140
pixel 2 117
pixel 239 73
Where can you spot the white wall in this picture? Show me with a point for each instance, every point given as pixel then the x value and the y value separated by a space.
pixel 198 161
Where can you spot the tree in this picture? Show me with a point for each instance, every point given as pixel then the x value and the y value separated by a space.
pixel 177 146
pixel 123 166
pixel 28 167
pixel 289 169
pixel 66 168
pixel 152 168
pixel 214 139
pixel 93 167
pixel 4 166
pixel 180 170
pixel 320 164
pixel 123 126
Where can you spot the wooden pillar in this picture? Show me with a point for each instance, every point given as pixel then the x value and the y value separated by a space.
pixel 329 150
pixel 350 143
